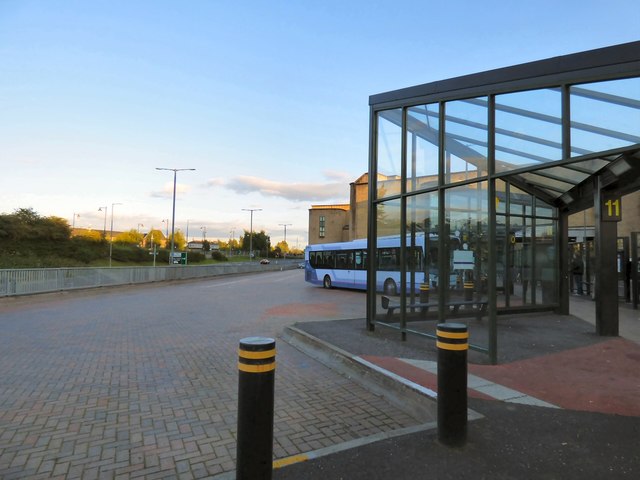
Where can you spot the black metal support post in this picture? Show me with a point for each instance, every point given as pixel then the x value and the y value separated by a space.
pixel 256 365
pixel 635 272
pixel 453 343
pixel 606 243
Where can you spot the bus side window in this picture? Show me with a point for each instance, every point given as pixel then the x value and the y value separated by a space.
pixel 328 263
pixel 350 262
pixel 388 259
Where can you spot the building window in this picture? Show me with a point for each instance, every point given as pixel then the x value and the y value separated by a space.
pixel 321 228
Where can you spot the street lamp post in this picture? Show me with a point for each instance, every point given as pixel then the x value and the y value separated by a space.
pixel 251 231
pixel 111 236
pixel 104 230
pixel 285 225
pixel 173 215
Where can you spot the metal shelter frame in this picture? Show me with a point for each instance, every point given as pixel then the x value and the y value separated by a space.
pixel 556 169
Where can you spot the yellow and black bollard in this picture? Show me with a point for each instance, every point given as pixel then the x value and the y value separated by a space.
pixel 424 292
pixel 256 365
pixel 468 291
pixel 453 343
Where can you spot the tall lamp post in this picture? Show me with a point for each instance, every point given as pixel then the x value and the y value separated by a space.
pixel 188 220
pixel 173 215
pixel 251 231
pixel 104 231
pixel 111 241
pixel 285 225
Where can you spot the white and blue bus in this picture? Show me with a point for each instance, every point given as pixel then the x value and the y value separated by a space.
pixel 344 264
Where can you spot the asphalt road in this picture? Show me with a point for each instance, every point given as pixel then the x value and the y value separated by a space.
pixel 141 381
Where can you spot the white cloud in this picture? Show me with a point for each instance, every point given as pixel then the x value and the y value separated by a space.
pixel 167 190
pixel 336 188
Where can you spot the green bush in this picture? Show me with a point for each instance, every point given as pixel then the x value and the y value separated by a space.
pixel 86 250
pixel 195 257
pixel 123 252
pixel 162 257
pixel 215 255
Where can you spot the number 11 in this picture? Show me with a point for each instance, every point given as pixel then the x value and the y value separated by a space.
pixel 613 205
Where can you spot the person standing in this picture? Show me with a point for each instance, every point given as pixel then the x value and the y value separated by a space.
pixel 577 271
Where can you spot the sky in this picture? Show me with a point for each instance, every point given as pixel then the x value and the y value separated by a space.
pixel 266 100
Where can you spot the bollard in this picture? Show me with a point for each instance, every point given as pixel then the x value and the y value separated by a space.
pixel 256 365
pixel 424 293
pixel 453 343
pixel 468 291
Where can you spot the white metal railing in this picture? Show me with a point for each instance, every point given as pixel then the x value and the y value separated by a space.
pixel 41 280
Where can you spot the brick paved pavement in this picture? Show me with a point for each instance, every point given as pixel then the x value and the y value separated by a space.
pixel 142 382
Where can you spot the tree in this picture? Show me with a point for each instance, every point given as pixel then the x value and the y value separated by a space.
pixel 93 235
pixel 154 237
pixel 25 225
pixel 283 247
pixel 260 242
pixel 131 237
pixel 27 216
pixel 55 228
pixel 206 246
pixel 179 241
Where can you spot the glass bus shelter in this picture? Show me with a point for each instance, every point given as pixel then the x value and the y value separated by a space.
pixel 475 178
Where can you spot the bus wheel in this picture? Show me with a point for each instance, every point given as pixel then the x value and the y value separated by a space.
pixel 327 281
pixel 390 287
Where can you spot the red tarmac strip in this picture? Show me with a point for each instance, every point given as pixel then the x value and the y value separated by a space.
pixel 604 377
pixel 414 374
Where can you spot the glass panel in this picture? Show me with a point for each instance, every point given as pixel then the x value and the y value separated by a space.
pixel 501 196
pixel 528 128
pixel 543 209
pixel 605 115
pixel 422 147
pixel 465 139
pixel 466 213
pixel 521 203
pixel 389 149
pixel 422 232
pixel 418 259
pixel 593 165
pixel 552 184
pixel 546 264
pixel 388 218
pixel 577 176
pixel 387 260
pixel 503 242
pixel 521 291
pixel 422 256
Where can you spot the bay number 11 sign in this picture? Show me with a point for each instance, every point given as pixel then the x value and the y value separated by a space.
pixel 611 208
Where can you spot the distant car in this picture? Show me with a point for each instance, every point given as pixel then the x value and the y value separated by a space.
pixel 301 265
pixel 265 261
